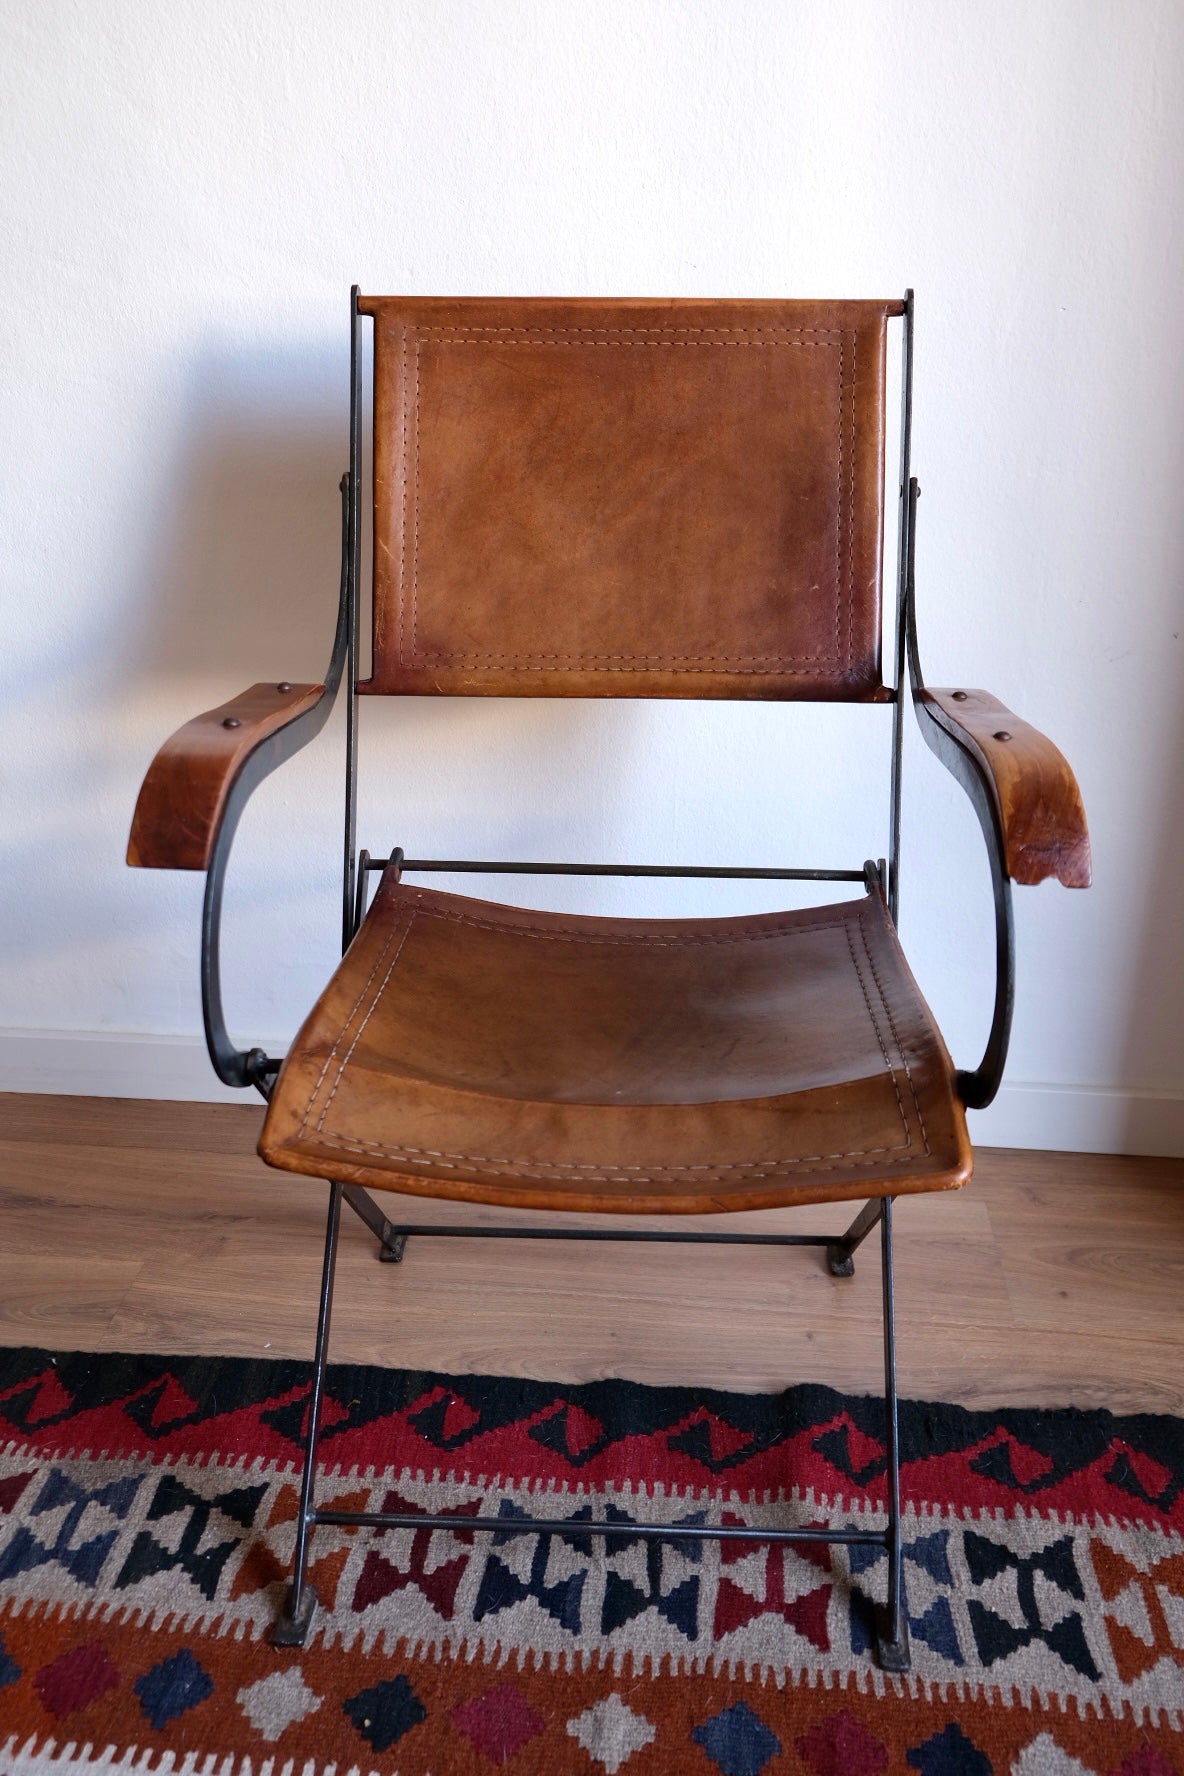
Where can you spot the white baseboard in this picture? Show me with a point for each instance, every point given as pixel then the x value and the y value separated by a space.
pixel 116 1064
pixel 1082 1119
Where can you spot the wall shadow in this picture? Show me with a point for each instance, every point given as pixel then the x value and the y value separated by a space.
pixel 245 564
pixel 226 573
pixel 1154 1047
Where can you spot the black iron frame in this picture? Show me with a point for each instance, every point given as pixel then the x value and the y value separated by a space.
pixel 254 1067
pixel 892 1638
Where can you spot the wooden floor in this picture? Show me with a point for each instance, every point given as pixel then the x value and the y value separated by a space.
pixel 1052 1279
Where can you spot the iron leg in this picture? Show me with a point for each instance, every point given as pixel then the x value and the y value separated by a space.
pixel 391 1243
pixel 892 1638
pixel 840 1254
pixel 292 1627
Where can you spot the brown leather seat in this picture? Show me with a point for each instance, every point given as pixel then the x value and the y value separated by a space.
pixel 486 1052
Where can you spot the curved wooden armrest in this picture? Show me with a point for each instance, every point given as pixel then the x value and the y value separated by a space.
pixel 1037 799
pixel 200 781
pixel 183 797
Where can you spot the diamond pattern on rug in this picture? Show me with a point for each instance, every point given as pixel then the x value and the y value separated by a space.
pixel 1143 1477
pixel 1015 1464
pixel 842 1747
pixel 172 1688
pixel 858 1457
pixel 499 1723
pixel 1044 1757
pixel 274 1703
pixel 137 1589
pixel 77 1679
pixel 610 1732
pixel 164 1406
pixel 713 1441
pixel 737 1741
pixel 385 1713
pixel 446 1420
pixel 949 1753
pixel 1147 1762
pixel 571 1432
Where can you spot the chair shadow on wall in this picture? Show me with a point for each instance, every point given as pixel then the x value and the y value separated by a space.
pixel 227 572
pixel 244 587
pixel 225 569
pixel 244 576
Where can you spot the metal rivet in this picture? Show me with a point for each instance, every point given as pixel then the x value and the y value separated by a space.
pixel 1002 734
pixel 231 721
pixel 284 687
pixel 959 696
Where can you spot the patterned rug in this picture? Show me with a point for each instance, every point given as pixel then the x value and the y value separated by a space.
pixel 147 1509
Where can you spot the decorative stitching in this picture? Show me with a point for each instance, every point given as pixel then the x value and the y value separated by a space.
pixel 619 344
pixel 358 1037
pixel 850 562
pixel 415 539
pixel 838 499
pixel 620 1174
pixel 722 663
pixel 403 488
pixel 600 1171
pixel 396 931
pixel 900 1048
pixel 871 1018
pixel 657 939
pixel 711 659
pixel 787 333
pixel 747 664
pixel 603 661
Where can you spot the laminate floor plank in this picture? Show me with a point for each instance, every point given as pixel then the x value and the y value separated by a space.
pixel 1051 1279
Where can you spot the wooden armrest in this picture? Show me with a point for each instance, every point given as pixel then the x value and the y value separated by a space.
pixel 1039 803
pixel 182 798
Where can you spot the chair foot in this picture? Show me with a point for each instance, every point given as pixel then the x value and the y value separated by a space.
pixel 391 1250
pixel 292 1629
pixel 839 1261
pixel 892 1652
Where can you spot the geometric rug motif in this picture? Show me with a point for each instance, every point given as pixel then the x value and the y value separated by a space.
pixel 148 1515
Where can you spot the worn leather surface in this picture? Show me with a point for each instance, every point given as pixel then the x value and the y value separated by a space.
pixel 472 1050
pixel 1039 804
pixel 180 804
pixel 591 498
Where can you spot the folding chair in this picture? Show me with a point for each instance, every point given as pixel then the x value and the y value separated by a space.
pixel 621 499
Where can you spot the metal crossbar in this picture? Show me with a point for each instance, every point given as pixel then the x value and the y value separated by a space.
pixel 871 875
pixel 585 1526
pixel 393 1236
pixel 481 866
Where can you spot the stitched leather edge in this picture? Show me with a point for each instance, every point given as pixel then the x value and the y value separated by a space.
pixel 598 1171
pixel 795 665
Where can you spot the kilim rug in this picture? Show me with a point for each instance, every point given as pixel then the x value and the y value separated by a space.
pixel 147 1510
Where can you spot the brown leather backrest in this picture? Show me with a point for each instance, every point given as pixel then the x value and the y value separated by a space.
pixel 639 499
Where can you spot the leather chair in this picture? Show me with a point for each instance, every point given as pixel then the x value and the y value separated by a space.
pixel 621 499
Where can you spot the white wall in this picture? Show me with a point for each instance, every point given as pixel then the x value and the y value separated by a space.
pixel 188 192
